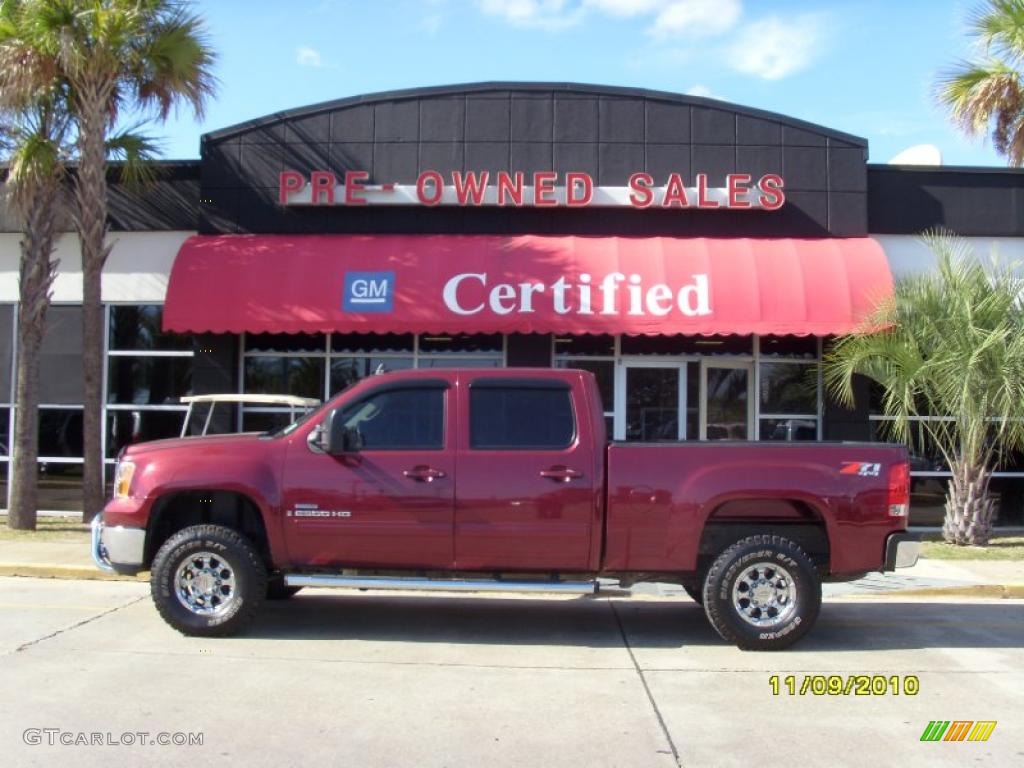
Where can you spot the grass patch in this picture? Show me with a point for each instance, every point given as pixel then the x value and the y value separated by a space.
pixel 999 548
pixel 69 528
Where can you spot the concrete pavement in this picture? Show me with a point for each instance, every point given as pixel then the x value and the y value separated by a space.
pixel 379 679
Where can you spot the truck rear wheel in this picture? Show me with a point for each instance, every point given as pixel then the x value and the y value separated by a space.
pixel 762 593
pixel 208 581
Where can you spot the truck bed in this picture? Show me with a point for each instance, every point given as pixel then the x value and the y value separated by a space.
pixel 660 495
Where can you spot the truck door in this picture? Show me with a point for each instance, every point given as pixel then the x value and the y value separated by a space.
pixel 525 488
pixel 392 503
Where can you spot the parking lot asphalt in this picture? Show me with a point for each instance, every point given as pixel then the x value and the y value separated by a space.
pixel 382 679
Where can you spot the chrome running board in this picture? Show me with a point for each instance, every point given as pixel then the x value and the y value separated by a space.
pixel 439 585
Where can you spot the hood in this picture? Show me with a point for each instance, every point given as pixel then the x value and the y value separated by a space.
pixel 191 443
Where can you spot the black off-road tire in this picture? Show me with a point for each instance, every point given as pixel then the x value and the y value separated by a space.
pixel 278 590
pixel 248 572
pixel 730 567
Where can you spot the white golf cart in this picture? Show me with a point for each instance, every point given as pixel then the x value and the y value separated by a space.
pixel 297 406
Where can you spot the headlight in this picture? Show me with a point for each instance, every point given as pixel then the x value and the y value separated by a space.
pixel 123 479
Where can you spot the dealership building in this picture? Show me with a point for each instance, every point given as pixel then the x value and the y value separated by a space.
pixel 696 256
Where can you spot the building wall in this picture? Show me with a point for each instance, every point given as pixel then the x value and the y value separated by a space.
pixel 607 132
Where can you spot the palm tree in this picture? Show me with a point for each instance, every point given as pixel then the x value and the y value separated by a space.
pixel 118 56
pixel 987 93
pixel 36 126
pixel 952 346
pixel 33 185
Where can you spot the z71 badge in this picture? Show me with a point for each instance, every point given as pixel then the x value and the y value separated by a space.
pixel 861 468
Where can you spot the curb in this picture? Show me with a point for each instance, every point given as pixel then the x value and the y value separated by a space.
pixel 1002 591
pixel 80 573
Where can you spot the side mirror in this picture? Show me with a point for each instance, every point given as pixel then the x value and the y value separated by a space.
pixel 342 440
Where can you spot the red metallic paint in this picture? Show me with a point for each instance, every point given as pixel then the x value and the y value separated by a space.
pixel 492 510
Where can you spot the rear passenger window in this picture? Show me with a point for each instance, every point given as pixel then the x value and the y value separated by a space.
pixel 510 417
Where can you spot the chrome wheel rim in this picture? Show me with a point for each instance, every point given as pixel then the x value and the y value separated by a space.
pixel 205 584
pixel 764 595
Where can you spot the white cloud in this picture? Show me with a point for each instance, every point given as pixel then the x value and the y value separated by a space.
pixel 774 48
pixel 701 90
pixel 696 18
pixel 670 18
pixel 546 14
pixel 308 57
pixel 626 7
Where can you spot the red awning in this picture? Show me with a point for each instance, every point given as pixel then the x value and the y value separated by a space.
pixel 524 284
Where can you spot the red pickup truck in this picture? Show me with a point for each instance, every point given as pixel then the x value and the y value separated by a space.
pixel 499 480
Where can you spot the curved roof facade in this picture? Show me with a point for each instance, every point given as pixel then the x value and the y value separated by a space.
pixel 608 132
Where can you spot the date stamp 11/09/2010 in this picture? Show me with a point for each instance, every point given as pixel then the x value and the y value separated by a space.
pixel 845 685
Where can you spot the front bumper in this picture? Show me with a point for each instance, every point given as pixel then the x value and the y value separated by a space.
pixel 901 551
pixel 116 548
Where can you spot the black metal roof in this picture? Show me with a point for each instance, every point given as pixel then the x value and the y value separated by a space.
pixel 525 87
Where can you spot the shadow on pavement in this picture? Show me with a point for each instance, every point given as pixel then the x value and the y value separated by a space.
pixel 648 624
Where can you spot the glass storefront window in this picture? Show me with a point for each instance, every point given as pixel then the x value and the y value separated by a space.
pixel 126 427
pixel 148 380
pixel 285 342
pixel 463 362
pixel 587 345
pixel 655 345
pixel 5 430
pixel 805 347
pixel 478 343
pixel 139 327
pixel 60 487
pixel 652 411
pixel 60 357
pixel 346 371
pixel 789 429
pixel 712 345
pixel 302 376
pixel 789 388
pixel 60 432
pixel 6 353
pixel 264 421
pixel 604 372
pixel 369 343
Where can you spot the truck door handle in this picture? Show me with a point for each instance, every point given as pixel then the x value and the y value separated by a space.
pixel 563 474
pixel 423 474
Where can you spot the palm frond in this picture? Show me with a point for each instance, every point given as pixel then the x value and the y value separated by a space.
pixel 986 94
pixel 999 25
pixel 135 151
pixel 955 349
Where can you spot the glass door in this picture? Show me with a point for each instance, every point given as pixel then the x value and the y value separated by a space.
pixel 650 401
pixel 727 408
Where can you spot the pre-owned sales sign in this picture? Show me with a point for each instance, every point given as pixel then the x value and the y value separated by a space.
pixel 544 189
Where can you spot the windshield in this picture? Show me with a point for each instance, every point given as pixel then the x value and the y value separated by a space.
pixel 289 428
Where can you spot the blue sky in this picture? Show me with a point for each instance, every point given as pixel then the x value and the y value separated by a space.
pixel 861 66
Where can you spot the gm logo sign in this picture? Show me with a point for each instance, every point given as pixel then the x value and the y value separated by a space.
pixel 369 292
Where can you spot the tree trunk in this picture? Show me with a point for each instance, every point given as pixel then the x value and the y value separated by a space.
pixel 970 508
pixel 91 199
pixel 36 278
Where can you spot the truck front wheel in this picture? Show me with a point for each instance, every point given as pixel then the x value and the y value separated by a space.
pixel 762 593
pixel 208 581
